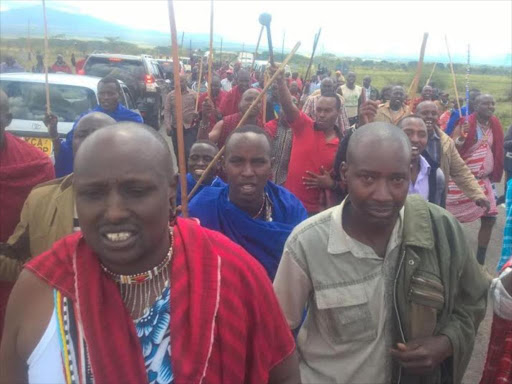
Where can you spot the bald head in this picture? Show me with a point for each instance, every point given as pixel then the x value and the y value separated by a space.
pixel 378 135
pixel 89 124
pixel 243 80
pixel 122 143
pixel 327 85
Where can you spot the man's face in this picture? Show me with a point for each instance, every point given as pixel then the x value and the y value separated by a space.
pixel 215 86
pixel 444 97
pixel 201 155
pixel 416 130
pixel 243 81
pixel 327 86
pixel 248 167
pixel 429 114
pixel 426 93
pixel 351 79
pixel 247 99
pixel 294 88
pixel 485 106
pixel 229 76
pixel 183 83
pixel 85 127
pixel 378 181
pixel 367 81
pixel 326 113
pixel 108 95
pixel 397 97
pixel 123 199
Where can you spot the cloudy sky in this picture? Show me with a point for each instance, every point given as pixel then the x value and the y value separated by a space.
pixel 370 28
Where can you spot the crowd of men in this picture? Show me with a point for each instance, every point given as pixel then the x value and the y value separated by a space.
pixel 325 246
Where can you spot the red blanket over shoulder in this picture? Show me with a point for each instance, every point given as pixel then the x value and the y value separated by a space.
pixel 497 145
pixel 226 323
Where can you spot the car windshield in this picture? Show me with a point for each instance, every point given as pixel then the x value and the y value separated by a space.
pixel 27 100
pixel 130 72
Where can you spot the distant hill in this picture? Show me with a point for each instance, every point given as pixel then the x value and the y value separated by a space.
pixel 14 23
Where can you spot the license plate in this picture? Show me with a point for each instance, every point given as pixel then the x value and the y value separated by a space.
pixel 42 143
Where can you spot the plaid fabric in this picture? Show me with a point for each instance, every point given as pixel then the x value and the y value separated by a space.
pixel 226 323
pixel 498 366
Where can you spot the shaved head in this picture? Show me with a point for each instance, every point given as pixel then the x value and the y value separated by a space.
pixel 131 137
pixel 383 134
pixel 87 125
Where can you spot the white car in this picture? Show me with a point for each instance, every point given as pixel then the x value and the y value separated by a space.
pixel 70 96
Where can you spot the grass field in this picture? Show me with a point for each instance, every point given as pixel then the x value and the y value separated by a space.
pixel 500 86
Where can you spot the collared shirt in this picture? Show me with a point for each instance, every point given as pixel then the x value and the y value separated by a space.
pixel 309 109
pixel 421 186
pixel 348 290
pixel 188 105
pixel 434 146
pixel 387 115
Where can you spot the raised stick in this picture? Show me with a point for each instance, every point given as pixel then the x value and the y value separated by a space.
pixel 454 79
pixel 199 82
pixel 210 55
pixel 179 111
pixel 257 46
pixel 264 100
pixel 244 117
pixel 431 74
pixel 419 68
pixel 46 85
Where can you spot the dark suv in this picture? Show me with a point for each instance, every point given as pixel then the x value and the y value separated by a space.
pixel 143 76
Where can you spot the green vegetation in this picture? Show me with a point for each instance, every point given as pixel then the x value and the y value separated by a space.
pixel 494 80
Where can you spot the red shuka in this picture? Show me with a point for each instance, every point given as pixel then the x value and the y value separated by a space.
pixel 229 104
pixel 497 145
pixel 226 323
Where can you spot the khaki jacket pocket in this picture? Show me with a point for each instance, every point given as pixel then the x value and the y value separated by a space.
pixel 344 313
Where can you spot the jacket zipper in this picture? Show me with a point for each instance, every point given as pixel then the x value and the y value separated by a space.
pixel 396 310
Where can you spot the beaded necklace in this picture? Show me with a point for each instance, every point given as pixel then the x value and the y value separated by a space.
pixel 138 288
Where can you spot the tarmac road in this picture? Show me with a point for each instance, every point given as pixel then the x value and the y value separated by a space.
pixel 474 371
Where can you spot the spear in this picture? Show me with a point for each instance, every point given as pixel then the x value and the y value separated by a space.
pixel 179 111
pixel 454 79
pixel 315 44
pixel 46 85
pixel 210 55
pixel 244 117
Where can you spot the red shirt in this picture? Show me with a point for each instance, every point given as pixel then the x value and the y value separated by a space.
pixel 310 152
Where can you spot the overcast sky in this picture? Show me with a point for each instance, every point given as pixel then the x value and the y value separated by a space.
pixel 352 28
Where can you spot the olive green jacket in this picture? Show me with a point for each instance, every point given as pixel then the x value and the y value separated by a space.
pixel 440 289
pixel 47 216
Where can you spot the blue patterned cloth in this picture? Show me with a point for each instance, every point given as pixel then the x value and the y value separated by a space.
pixel 506 250
pixel 155 338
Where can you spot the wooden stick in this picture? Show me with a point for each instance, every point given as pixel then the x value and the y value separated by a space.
pixel 46 85
pixel 199 82
pixel 244 117
pixel 257 46
pixel 431 73
pixel 419 68
pixel 264 100
pixel 179 111
pixel 210 55
pixel 454 79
